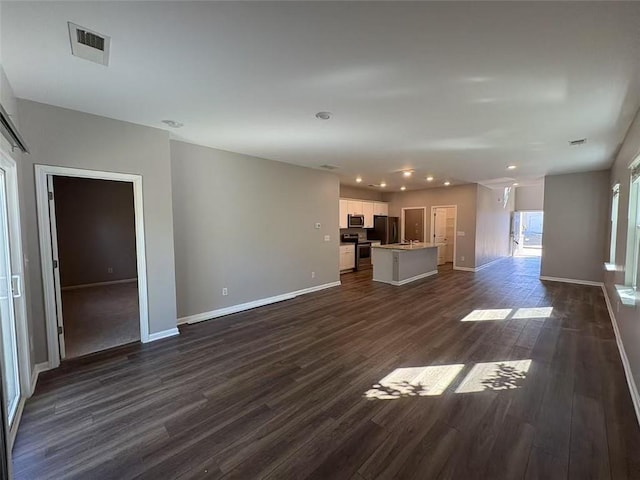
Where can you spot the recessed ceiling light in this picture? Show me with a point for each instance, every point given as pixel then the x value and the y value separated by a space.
pixel 173 123
pixel 383 184
pixel 358 179
pixel 407 173
pixel 516 184
pixel 429 178
pixel 511 167
pixel 403 188
pixel 323 115
pixel 447 183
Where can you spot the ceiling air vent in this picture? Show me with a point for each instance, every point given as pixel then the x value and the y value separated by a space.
pixel 580 141
pixel 329 167
pixel 88 44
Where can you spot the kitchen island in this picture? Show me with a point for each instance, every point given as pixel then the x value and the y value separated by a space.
pixel 398 264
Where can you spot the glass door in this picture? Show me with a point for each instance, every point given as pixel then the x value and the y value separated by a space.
pixel 7 314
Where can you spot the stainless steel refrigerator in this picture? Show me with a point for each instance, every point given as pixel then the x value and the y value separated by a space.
pixel 386 229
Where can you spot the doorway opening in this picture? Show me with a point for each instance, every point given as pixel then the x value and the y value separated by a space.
pixel 414 224
pixel 443 232
pixel 93 260
pixel 526 233
pixel 14 342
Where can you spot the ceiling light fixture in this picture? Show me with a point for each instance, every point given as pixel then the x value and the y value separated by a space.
pixel 511 167
pixel 447 183
pixel 516 184
pixel 407 173
pixel 430 178
pixel 323 115
pixel 358 179
pixel 403 188
pixel 383 184
pixel 172 123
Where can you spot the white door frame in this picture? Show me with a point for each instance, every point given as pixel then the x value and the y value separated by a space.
pixel 424 221
pixel 8 164
pixel 47 254
pixel 455 228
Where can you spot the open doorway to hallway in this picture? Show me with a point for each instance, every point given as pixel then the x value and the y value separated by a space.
pixel 93 224
pixel 526 233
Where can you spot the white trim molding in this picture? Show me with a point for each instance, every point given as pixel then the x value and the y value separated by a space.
pixel 171 332
pixel 572 280
pixel 99 284
pixel 221 312
pixel 633 389
pixel 398 283
pixel 47 254
pixel 38 368
pixel 481 267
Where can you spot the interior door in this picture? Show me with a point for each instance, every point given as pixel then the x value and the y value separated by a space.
pixel 414 224
pixel 56 264
pixel 7 314
pixel 515 232
pixel 440 225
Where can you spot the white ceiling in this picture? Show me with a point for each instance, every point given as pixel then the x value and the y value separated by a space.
pixel 458 90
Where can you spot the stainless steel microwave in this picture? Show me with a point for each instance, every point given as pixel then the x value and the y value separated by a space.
pixel 355 221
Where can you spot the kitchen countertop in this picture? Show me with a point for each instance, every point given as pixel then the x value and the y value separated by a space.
pixel 415 246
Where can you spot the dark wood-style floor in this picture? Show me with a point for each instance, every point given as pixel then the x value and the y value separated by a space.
pixel 336 385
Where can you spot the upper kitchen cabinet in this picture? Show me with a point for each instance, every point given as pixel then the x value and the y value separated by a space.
pixel 367 210
pixel 355 207
pixel 380 208
pixel 344 211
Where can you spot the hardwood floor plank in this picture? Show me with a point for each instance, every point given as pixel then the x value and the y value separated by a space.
pixel 365 381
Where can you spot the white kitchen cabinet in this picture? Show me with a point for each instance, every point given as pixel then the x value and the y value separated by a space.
pixel 355 207
pixel 347 257
pixel 367 211
pixel 380 208
pixel 344 211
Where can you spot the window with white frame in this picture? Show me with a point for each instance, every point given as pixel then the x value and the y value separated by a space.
pixel 614 223
pixel 633 233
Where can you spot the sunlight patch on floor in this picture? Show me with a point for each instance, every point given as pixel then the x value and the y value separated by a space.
pixel 414 382
pixel 490 314
pixel 496 376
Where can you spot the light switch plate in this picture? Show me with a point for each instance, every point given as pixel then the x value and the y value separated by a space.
pixel 461 233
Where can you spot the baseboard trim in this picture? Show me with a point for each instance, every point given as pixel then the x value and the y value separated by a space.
pixel 572 280
pixel 222 312
pixel 481 267
pixel 488 264
pixel 99 284
pixel 163 334
pixel 38 368
pixel 407 280
pixel 633 390
pixel 464 269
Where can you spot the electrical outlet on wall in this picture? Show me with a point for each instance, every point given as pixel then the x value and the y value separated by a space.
pixel 327 238
pixel 109 269
pixel 313 274
pixel 225 291
pixel 462 258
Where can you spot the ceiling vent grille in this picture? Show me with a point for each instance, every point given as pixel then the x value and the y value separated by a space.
pixel 88 44
pixel 580 141
pixel 329 167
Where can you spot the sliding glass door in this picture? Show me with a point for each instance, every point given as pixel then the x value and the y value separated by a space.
pixel 7 314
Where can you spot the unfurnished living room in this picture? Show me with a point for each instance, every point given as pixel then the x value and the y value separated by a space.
pixel 319 240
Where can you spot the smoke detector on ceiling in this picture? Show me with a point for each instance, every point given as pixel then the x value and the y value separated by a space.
pixel 88 44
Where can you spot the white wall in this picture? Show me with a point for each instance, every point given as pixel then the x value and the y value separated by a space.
pixel 627 318
pixel 576 213
pixel 248 224
pixel 529 198
pixel 493 224
pixel 347 191
pixel 61 137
